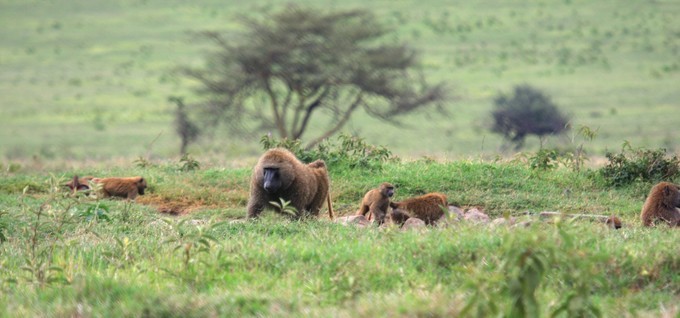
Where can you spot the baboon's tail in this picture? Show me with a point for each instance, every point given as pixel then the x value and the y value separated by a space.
pixel 330 206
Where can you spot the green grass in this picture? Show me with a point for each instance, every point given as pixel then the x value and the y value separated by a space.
pixel 90 79
pixel 201 264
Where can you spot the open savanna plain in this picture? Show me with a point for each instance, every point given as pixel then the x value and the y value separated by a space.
pixel 90 79
pixel 84 87
pixel 181 250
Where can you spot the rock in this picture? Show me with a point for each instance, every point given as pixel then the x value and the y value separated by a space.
pixel 413 223
pixel 455 213
pixel 196 222
pixel 358 220
pixel 503 222
pixel 523 224
pixel 476 216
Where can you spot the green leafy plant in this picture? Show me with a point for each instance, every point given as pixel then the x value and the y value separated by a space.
pixel 578 278
pixel 525 267
pixel 544 159
pixel 578 156
pixel 640 164
pixel 45 233
pixel 142 162
pixel 189 163
pixel 347 150
pixel 192 241
pixel 284 207
pixel 123 253
pixel 95 212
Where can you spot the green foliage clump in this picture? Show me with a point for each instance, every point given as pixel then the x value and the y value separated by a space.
pixel 630 165
pixel 142 162
pixel 531 263
pixel 189 163
pixel 350 151
pixel 544 159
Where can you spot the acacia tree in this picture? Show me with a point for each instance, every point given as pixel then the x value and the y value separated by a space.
pixel 290 65
pixel 527 112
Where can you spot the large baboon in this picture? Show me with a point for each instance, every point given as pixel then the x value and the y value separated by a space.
pixel 662 205
pixel 128 187
pixel 428 207
pixel 280 175
pixel 376 202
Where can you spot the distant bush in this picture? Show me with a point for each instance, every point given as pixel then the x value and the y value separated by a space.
pixel 640 164
pixel 544 159
pixel 348 150
pixel 527 112
pixel 189 163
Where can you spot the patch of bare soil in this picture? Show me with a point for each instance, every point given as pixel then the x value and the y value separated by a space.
pixel 174 206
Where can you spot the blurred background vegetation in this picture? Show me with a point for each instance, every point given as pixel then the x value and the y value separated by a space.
pixel 92 79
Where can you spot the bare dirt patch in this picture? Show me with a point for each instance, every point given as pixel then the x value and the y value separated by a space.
pixel 174 206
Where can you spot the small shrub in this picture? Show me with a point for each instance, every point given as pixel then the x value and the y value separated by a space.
pixel 142 162
pixel 577 157
pixel 189 163
pixel 544 159
pixel 95 212
pixel 193 241
pixel 648 165
pixel 284 207
pixel 348 150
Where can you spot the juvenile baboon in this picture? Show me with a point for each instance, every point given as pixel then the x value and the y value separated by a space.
pixel 79 184
pixel 280 175
pixel 399 216
pixel 376 202
pixel 428 207
pixel 662 205
pixel 128 187
pixel 613 222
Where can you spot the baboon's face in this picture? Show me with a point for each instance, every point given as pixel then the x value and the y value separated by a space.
pixel 387 190
pixel 141 185
pixel 271 181
pixel 671 195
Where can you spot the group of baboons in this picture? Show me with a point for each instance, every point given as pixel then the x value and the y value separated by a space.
pixel 280 176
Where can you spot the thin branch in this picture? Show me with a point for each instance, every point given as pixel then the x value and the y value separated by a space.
pixel 340 123
pixel 308 113
pixel 278 119
pixel 286 102
pixel 298 109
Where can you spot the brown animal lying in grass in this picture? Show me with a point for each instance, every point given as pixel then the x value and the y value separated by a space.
pixel 127 187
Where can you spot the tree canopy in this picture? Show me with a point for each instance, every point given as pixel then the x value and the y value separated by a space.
pixel 287 66
pixel 527 112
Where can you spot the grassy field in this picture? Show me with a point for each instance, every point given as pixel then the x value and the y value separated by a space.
pixel 84 88
pixel 90 79
pixel 64 256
